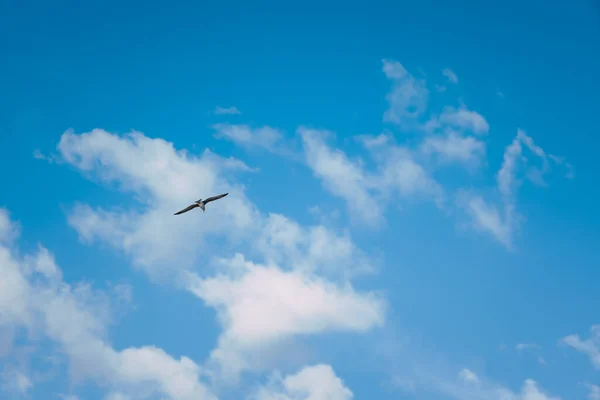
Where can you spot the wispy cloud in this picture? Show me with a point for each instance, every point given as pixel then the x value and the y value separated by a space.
pixel 447 135
pixel 434 377
pixel 453 147
pixel 526 346
pixel 594 392
pixel 38 155
pixel 503 220
pixel 561 161
pixel 367 191
pixel 589 347
pixel 465 119
pixel 448 73
pixel 468 376
pixel 226 111
pixel 408 98
pixel 243 135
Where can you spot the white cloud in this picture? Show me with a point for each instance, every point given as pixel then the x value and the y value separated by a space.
pixel 243 135
pixel 507 174
pixel 468 376
pixel 408 97
pixel 75 318
pixel 117 396
pixel 541 360
pixel 8 229
pixel 226 111
pixel 398 172
pixel 429 374
pixel 318 382
pixel 394 70
pixel 73 397
pixel 452 147
pixel 262 304
pixel 163 180
pixel 502 220
pixel 561 161
pixel 341 176
pixel 38 155
pixel 448 73
pixel 531 391
pixel 486 390
pixel 16 382
pixel 594 393
pixel 310 249
pixel 366 192
pixel 589 347
pixel 302 287
pixel 408 103
pixel 526 346
pixel 464 119
pixel 488 218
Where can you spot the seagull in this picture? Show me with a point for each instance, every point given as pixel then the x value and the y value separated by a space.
pixel 201 203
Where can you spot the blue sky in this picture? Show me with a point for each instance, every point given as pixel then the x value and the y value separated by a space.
pixel 412 210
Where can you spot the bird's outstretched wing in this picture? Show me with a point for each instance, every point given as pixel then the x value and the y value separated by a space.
pixel 188 208
pixel 214 198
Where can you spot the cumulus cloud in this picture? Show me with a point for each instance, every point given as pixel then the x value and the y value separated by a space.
pixel 152 236
pixel 317 382
pixel 259 305
pixel 162 179
pixel 301 286
pixel 34 297
pixel 311 249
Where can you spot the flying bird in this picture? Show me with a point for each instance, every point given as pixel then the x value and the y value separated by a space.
pixel 201 203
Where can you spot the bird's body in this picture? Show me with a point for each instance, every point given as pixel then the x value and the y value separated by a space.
pixel 201 203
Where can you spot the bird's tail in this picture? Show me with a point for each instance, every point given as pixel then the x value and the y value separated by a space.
pixel 202 206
